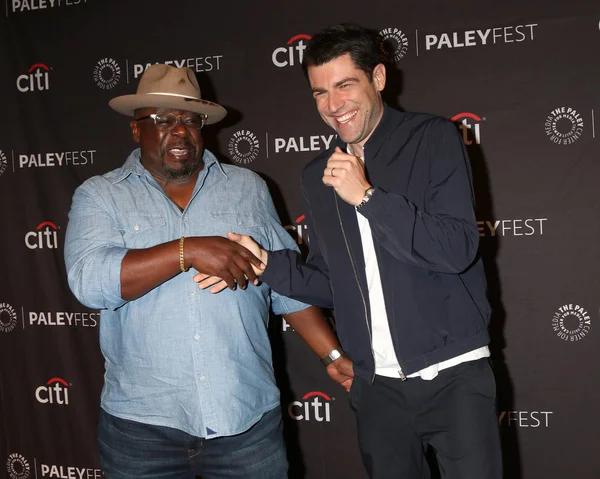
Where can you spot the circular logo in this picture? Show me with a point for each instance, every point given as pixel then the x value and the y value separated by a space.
pixel 564 126
pixel 243 146
pixel 18 467
pixel 107 73
pixel 3 162
pixel 393 44
pixel 8 318
pixel 571 322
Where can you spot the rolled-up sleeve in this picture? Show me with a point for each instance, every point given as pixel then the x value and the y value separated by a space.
pixel 94 251
pixel 279 239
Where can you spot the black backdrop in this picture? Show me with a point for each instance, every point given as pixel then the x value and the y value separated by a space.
pixel 519 78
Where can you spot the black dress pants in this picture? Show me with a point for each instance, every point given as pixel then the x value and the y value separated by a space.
pixel 455 414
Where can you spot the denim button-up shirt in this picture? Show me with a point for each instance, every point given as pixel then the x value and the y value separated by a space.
pixel 178 356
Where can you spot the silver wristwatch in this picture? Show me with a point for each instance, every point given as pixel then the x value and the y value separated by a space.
pixel 331 357
pixel 368 193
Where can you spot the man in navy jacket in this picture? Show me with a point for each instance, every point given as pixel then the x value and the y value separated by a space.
pixel 393 250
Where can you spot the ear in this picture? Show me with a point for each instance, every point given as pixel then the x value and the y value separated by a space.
pixel 135 130
pixel 379 76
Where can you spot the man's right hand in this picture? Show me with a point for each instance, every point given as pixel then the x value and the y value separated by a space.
pixel 228 259
pixel 218 283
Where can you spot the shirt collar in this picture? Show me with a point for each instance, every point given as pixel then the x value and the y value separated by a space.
pixel 133 165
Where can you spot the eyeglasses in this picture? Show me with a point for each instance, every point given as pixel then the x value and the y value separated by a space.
pixel 168 122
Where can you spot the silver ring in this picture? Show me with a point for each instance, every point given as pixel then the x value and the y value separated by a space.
pixel 332 171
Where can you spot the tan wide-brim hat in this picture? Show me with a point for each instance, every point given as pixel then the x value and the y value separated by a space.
pixel 164 86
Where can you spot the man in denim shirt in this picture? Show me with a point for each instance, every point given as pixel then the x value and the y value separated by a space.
pixel 189 384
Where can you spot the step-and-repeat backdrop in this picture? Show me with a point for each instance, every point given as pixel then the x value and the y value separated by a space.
pixel 520 80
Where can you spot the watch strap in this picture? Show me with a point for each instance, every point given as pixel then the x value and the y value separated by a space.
pixel 331 357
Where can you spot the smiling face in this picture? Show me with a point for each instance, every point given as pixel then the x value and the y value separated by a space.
pixel 168 154
pixel 347 99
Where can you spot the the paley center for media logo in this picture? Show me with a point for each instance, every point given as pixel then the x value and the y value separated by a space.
pixel 393 44
pixel 107 73
pixel 3 162
pixel 243 147
pixel 17 466
pixel 571 322
pixel 564 125
pixel 8 318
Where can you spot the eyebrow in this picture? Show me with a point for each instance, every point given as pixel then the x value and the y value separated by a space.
pixel 337 84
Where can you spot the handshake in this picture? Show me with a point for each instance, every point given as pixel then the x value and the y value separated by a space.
pixel 217 283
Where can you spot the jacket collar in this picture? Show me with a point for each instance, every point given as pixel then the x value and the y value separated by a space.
pixel 380 133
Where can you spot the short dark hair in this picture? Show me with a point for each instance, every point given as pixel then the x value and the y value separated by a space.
pixel 361 43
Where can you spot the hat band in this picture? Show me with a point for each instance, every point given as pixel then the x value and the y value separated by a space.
pixel 173 94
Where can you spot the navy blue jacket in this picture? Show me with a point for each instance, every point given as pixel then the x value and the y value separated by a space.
pixel 426 239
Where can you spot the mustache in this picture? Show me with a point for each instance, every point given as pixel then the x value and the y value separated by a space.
pixel 179 144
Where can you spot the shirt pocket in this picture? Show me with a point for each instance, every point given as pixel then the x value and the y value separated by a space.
pixel 243 223
pixel 142 230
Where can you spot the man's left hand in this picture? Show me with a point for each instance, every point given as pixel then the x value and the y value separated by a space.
pixel 342 372
pixel 346 174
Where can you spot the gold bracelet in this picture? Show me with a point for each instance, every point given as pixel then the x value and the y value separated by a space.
pixel 181 262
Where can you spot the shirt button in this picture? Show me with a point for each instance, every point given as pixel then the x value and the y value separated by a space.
pixel 202 378
pixel 136 227
pixel 192 294
pixel 197 337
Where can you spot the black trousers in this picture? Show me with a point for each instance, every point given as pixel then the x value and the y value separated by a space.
pixel 455 414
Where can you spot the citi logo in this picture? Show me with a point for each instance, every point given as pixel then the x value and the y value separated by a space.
pixel 315 406
pixel 17 466
pixel 298 231
pixel 54 392
pixel 291 54
pixel 44 236
pixel 36 78
pixel 469 125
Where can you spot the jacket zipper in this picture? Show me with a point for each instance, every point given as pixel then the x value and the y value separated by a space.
pixel 362 295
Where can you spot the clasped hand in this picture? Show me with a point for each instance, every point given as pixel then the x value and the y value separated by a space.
pixel 249 270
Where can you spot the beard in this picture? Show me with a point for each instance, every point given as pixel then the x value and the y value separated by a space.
pixel 184 171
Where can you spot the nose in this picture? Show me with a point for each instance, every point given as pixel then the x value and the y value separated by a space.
pixel 335 102
pixel 179 129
